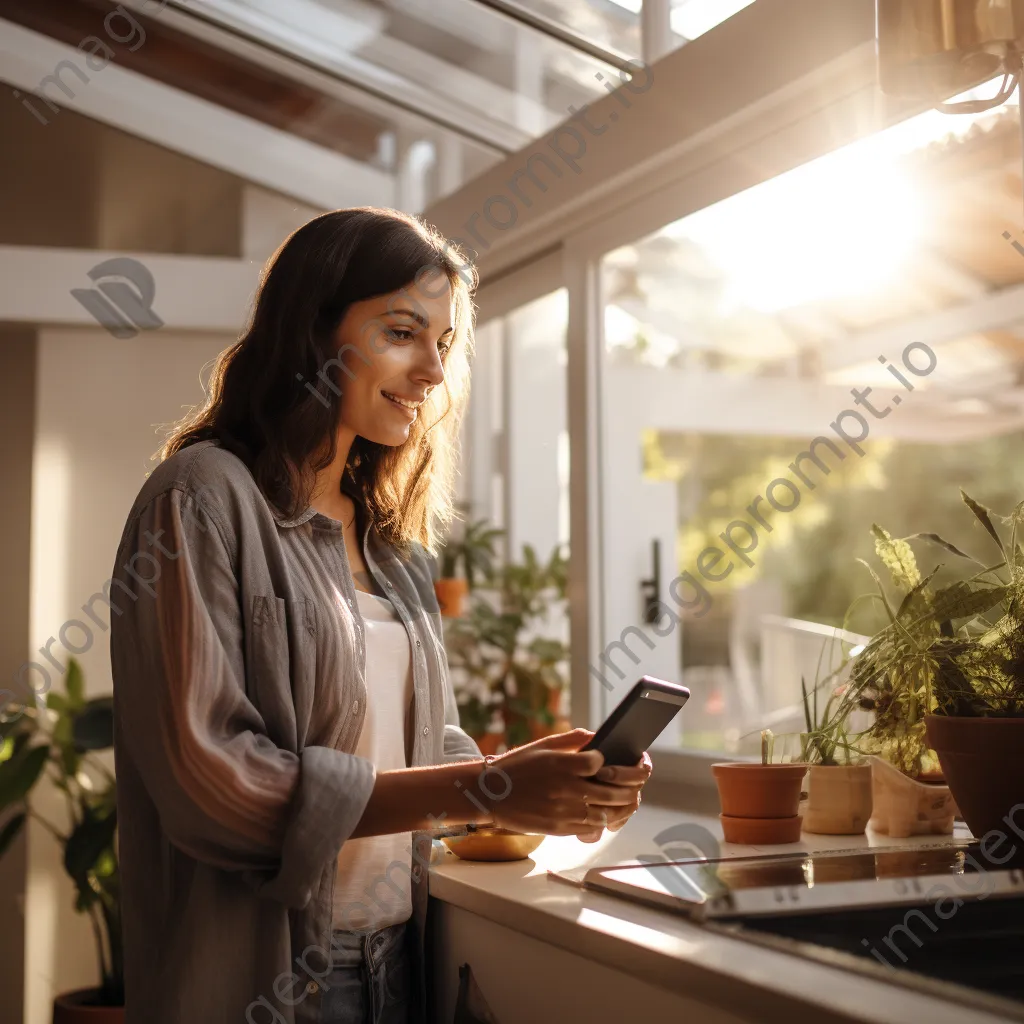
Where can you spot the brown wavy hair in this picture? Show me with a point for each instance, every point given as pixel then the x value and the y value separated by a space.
pixel 257 408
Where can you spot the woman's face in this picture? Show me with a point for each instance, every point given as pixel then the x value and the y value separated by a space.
pixel 390 354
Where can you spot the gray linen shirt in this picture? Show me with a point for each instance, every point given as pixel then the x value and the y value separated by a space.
pixel 237 652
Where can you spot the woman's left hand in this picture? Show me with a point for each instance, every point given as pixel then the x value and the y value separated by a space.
pixel 629 777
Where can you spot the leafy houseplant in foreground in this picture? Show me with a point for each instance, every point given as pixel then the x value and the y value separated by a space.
pixel 501 660
pixel 948 668
pixel 59 742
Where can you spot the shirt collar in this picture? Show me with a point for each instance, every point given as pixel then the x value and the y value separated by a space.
pixel 310 513
pixel 298 520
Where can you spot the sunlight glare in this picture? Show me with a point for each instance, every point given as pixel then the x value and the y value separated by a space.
pixel 839 226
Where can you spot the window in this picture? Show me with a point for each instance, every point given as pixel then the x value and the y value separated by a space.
pixel 838 346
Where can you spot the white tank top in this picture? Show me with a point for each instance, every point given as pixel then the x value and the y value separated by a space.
pixel 373 885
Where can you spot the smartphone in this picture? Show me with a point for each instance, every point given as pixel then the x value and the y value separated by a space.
pixel 638 721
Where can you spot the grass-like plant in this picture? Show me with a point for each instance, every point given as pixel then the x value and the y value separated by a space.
pixel 826 740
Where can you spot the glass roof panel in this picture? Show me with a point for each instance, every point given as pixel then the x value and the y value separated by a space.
pixel 616 23
pixel 909 234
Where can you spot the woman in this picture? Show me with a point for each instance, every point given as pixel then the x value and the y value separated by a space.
pixel 285 731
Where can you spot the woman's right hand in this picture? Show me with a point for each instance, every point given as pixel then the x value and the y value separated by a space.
pixel 547 788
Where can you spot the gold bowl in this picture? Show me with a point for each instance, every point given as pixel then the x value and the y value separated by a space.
pixel 493 844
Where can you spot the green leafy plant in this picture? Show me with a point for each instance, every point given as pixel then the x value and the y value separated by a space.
pixel 826 740
pixel 59 742
pixel 474 552
pixel 953 649
pixel 495 648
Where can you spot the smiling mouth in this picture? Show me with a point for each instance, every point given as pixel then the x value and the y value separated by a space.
pixel 402 403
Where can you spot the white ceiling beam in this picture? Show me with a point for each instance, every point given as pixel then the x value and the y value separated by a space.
pixel 385 77
pixel 186 124
pixel 666 323
pixel 939 271
pixel 280 64
pixel 995 309
pixel 642 397
pixel 197 293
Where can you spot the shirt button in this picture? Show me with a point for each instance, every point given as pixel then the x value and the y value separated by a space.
pixel 312 988
pixel 355 706
pixel 387 583
pixel 426 730
pixel 418 644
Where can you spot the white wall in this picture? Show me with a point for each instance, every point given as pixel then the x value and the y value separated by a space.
pixel 99 405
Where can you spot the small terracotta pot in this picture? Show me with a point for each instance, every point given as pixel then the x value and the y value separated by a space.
pixel 451 594
pixel 74 1008
pixel 490 742
pixel 838 799
pixel 749 790
pixel 981 760
pixel 538 730
pixel 760 831
pixel 903 807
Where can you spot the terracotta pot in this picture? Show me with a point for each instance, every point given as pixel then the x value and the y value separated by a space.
pixel 490 742
pixel 760 831
pixel 903 807
pixel 981 760
pixel 538 730
pixel 451 594
pixel 74 1008
pixel 554 703
pixel 838 799
pixel 749 790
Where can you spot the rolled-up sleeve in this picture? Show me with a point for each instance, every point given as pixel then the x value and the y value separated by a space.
pixel 458 744
pixel 225 793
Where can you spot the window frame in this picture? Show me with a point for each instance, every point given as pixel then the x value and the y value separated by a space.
pixel 812 116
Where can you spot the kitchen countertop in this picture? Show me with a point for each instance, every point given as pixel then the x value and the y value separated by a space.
pixel 669 951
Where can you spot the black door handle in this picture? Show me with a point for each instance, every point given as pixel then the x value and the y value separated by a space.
pixel 651 588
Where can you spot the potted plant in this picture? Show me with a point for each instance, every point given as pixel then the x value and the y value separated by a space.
pixel 475 554
pixel 59 743
pixel 946 652
pixel 503 659
pixel 760 801
pixel 975 717
pixel 838 782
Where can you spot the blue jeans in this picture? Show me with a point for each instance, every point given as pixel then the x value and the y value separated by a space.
pixel 370 980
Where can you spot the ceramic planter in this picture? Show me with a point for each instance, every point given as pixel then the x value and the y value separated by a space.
pixel 981 761
pixel 75 1008
pixel 451 594
pixel 838 799
pixel 904 807
pixel 760 802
